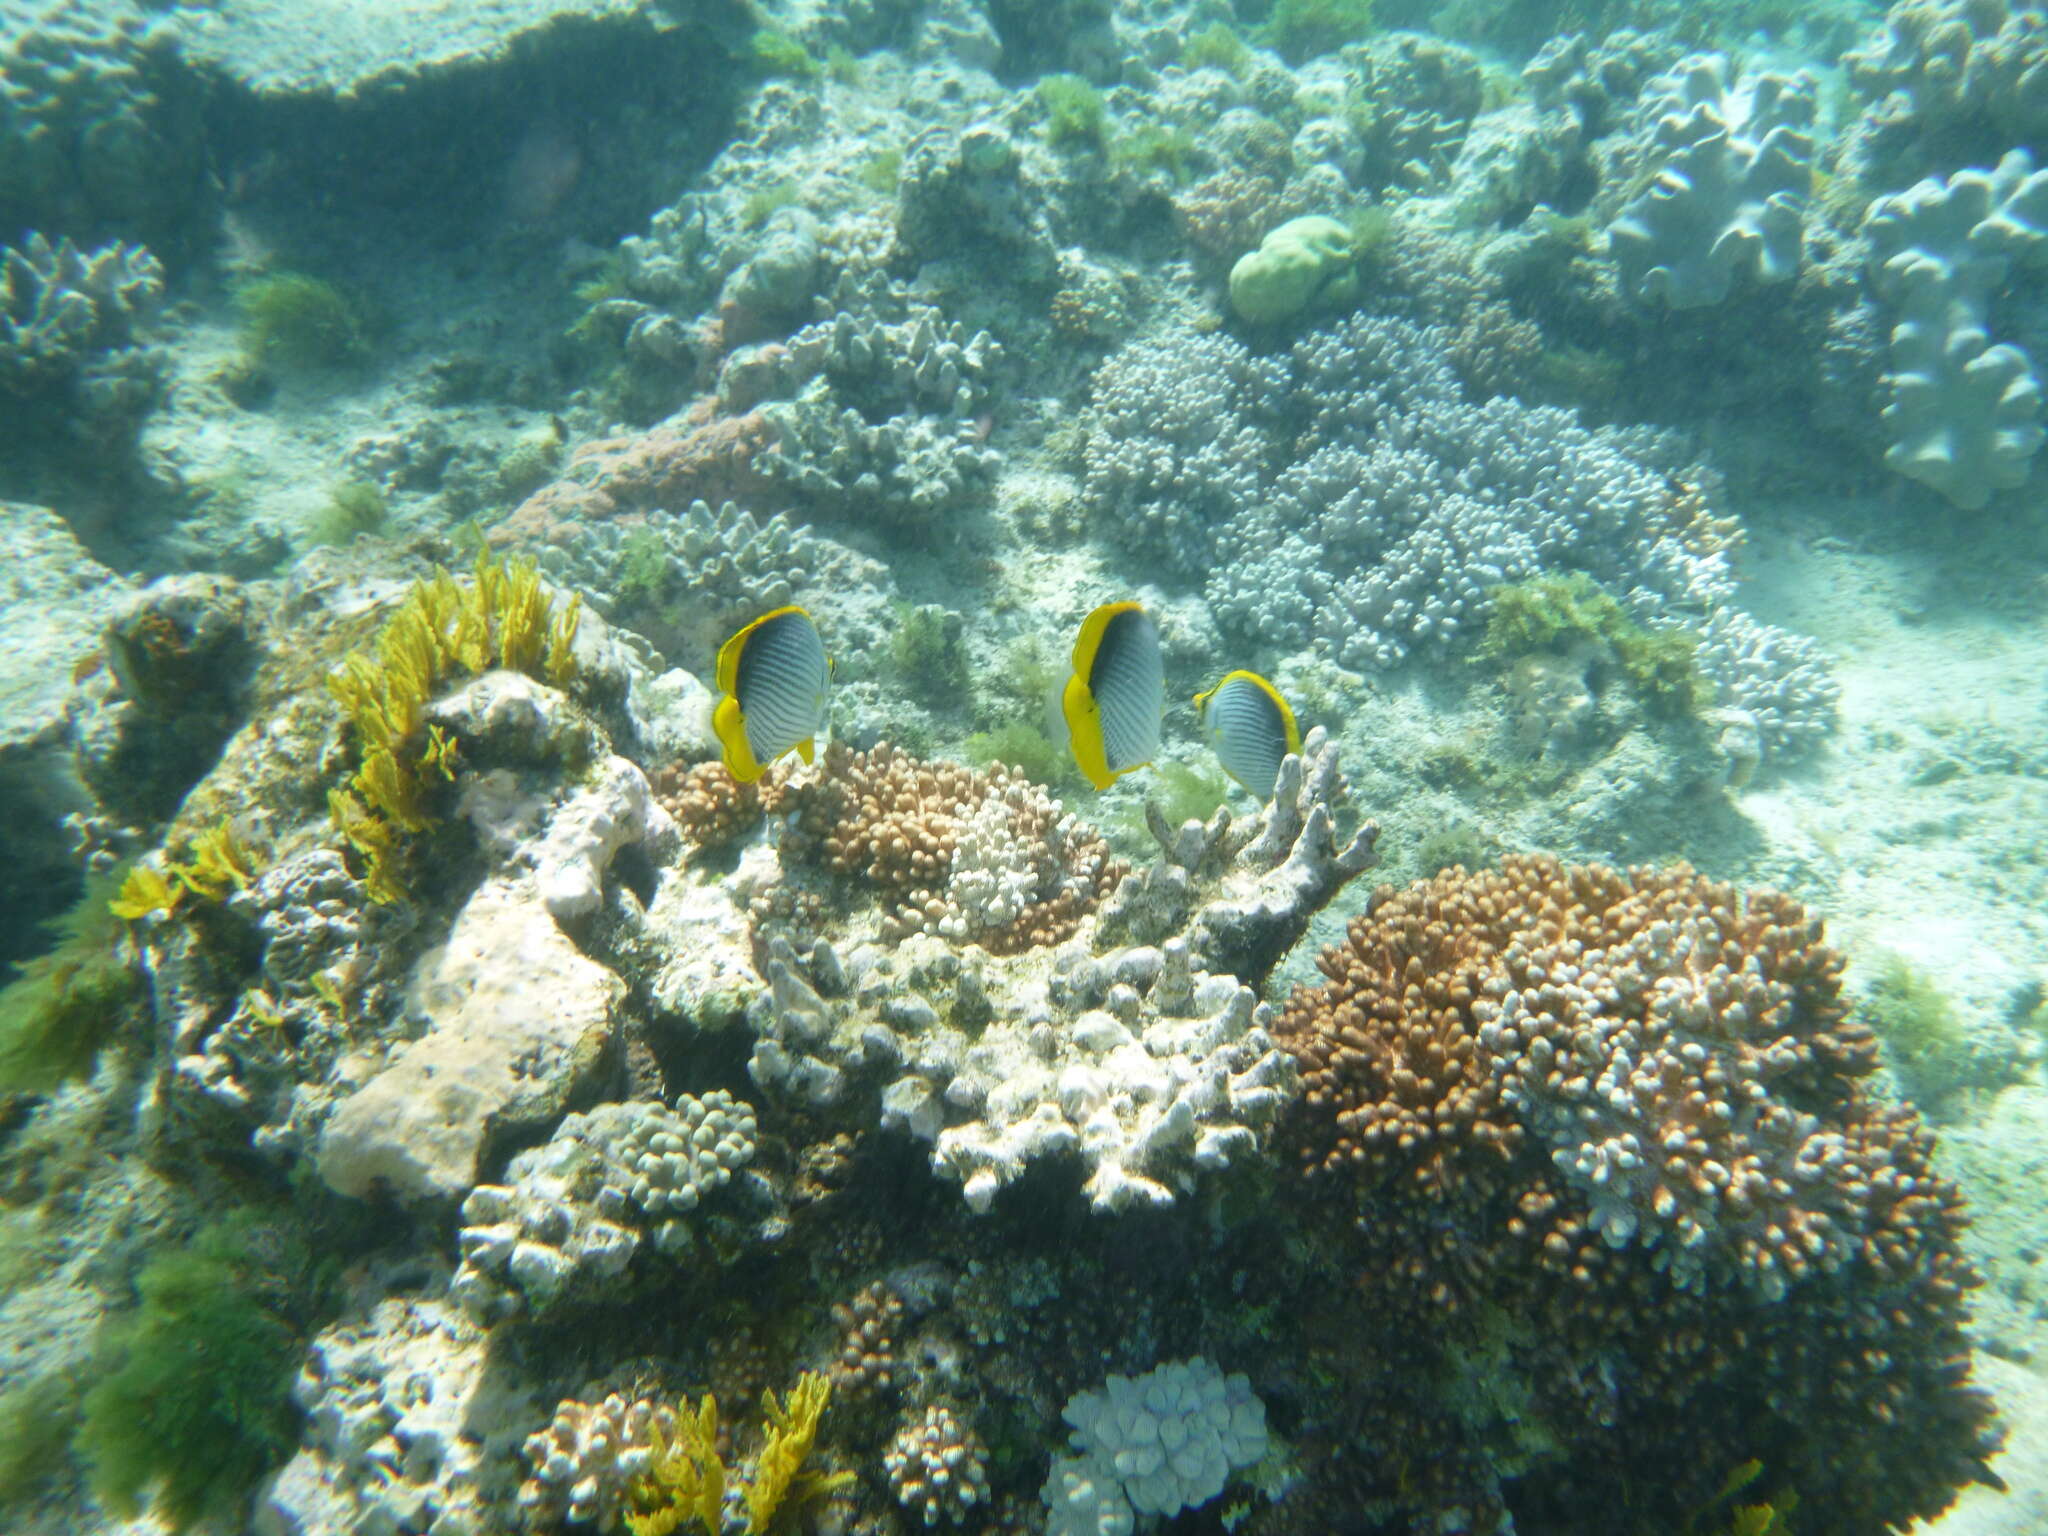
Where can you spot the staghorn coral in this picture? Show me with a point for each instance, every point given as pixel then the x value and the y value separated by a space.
pixel 1576 1115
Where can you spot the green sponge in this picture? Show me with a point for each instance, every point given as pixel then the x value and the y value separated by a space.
pixel 1306 261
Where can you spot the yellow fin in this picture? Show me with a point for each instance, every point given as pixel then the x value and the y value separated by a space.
pixel 729 723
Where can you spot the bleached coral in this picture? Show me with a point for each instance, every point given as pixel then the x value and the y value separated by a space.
pixel 585 1458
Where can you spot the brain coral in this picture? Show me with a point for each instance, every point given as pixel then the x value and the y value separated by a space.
pixel 1622 1214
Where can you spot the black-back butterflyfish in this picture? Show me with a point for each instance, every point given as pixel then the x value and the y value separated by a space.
pixel 1250 727
pixel 1114 702
pixel 774 679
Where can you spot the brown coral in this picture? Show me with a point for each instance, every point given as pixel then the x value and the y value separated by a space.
pixel 867 1325
pixel 692 456
pixel 710 806
pixel 1602 1138
pixel 987 858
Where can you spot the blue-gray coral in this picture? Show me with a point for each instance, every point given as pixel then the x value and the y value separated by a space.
pixel 71 325
pixel 1154 1444
pixel 1182 436
pixel 89 143
pixel 1409 502
pixel 1951 81
pixel 1964 414
pixel 573 1211
pixel 1733 164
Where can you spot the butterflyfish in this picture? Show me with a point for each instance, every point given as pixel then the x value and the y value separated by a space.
pixel 774 679
pixel 1250 727
pixel 1114 702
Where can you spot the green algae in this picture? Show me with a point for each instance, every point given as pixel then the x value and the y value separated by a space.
pixel 1555 613
pixel 71 1001
pixel 299 321
pixel 196 1405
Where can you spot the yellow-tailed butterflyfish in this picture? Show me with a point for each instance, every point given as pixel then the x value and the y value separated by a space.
pixel 1251 728
pixel 1114 701
pixel 774 679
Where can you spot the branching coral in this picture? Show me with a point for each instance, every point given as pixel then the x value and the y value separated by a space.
pixel 1628 1109
pixel 988 858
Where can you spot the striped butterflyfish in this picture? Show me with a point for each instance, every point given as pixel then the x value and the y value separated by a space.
pixel 1114 701
pixel 1251 728
pixel 774 679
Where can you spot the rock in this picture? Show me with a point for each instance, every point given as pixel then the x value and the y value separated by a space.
pixel 54 600
pixel 518 1019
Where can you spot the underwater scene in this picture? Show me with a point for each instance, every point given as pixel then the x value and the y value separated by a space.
pixel 1023 767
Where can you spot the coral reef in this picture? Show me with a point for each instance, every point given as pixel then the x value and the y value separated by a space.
pixel 1149 1060
pixel 1964 414
pixel 563 1218
pixel 1951 83
pixel 1179 441
pixel 101 134
pixel 937 1467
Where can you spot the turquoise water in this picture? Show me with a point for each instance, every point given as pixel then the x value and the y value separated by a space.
pixel 1083 768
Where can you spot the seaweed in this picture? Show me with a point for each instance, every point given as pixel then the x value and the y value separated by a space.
pixel 686 1479
pixel 927 648
pixel 1923 1039
pixel 1216 46
pixel 353 508
pixel 503 618
pixel 1300 30
pixel 1148 147
pixel 37 1419
pixel 1553 613
pixel 882 172
pixel 69 1002
pixel 764 202
pixel 197 1403
pixel 1074 110
pixel 774 52
pixel 1020 748
pixel 301 321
